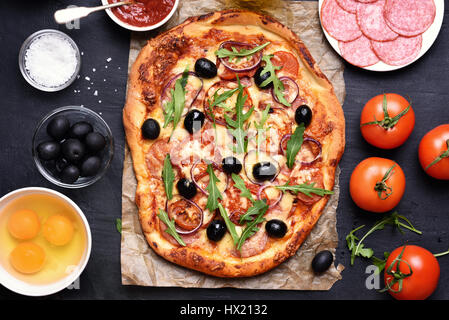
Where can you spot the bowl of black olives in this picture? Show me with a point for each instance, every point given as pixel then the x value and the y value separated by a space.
pixel 72 147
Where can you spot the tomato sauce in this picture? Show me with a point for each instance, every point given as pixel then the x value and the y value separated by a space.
pixel 143 13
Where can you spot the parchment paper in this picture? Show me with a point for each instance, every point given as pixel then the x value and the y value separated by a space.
pixel 142 266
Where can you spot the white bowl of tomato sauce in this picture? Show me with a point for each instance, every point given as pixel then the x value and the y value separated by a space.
pixel 143 15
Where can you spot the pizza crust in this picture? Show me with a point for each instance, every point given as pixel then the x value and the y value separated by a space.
pixel 146 78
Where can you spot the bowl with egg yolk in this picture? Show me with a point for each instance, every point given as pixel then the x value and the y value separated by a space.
pixel 45 241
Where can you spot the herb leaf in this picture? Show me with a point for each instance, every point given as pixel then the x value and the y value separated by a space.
pixel 171 229
pixel 168 176
pixel 251 228
pixel 294 144
pixel 260 126
pixel 118 225
pixel 258 206
pixel 305 188
pixel 225 53
pixel 380 263
pixel 229 224
pixel 278 86
pixel 175 107
pixel 214 193
pixel 240 184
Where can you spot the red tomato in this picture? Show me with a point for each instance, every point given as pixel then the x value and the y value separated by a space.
pixel 287 61
pixel 387 133
pixel 425 272
pixel 434 145
pixel 371 177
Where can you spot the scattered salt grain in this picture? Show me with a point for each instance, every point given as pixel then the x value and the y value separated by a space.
pixel 87 78
pixel 51 60
pixel 93 69
pixel 96 93
pixel 108 59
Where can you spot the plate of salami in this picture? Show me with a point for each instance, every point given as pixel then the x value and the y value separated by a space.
pixel 381 35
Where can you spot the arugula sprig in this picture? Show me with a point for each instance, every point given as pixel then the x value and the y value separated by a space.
pixel 260 126
pixel 225 53
pixel 214 193
pixel 259 208
pixel 357 247
pixel 240 184
pixel 171 229
pixel 229 224
pixel 236 127
pixel 173 109
pixel 168 176
pixel 278 86
pixel 304 188
pixel 294 144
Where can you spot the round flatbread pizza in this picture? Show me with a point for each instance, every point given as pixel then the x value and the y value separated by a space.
pixel 235 136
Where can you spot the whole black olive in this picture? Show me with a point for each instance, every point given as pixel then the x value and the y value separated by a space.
pixel 276 228
pixel 49 150
pixel 259 78
pixel 186 188
pixel 216 230
pixel 322 261
pixel 194 121
pixel 90 166
pixel 205 68
pixel 264 171
pixel 150 129
pixel 73 150
pixel 70 174
pixel 80 129
pixel 61 164
pixel 58 127
pixel 231 165
pixel 95 141
pixel 303 114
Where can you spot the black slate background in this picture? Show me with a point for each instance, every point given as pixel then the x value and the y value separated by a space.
pixel 426 201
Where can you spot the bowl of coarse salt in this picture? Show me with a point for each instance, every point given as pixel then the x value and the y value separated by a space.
pixel 49 60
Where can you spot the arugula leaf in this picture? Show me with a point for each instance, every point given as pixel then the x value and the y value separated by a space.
pixel 118 225
pixel 357 247
pixel 168 176
pixel 229 224
pixel 235 127
pixel 171 229
pixel 305 188
pixel 251 228
pixel 380 263
pixel 220 98
pixel 174 108
pixel 260 126
pixel 225 53
pixel 214 193
pixel 294 144
pixel 278 86
pixel 258 206
pixel 240 184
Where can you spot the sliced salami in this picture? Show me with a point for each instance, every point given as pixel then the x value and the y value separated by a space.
pixel 348 5
pixel 398 52
pixel 409 17
pixel 366 1
pixel 339 23
pixel 372 23
pixel 358 52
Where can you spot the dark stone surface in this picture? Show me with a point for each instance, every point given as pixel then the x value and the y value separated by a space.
pixel 426 201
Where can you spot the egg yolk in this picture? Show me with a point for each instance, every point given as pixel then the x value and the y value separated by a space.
pixel 24 224
pixel 58 230
pixel 27 257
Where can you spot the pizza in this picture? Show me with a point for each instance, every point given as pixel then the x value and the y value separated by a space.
pixel 235 136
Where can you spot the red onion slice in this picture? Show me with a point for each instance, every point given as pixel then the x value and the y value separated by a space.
pixel 183 231
pixel 216 167
pixel 190 95
pixel 283 147
pixel 247 65
pixel 259 195
pixel 291 90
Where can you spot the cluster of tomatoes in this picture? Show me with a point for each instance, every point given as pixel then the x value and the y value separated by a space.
pixel 378 184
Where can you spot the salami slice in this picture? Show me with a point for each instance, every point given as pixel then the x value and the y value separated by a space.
pixel 366 1
pixel 398 52
pixel 409 17
pixel 339 23
pixel 348 5
pixel 372 23
pixel 358 52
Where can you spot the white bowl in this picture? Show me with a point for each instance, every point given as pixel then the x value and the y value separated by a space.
pixel 21 287
pixel 134 28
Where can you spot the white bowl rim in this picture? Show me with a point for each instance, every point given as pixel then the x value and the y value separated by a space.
pixel 21 287
pixel 134 28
